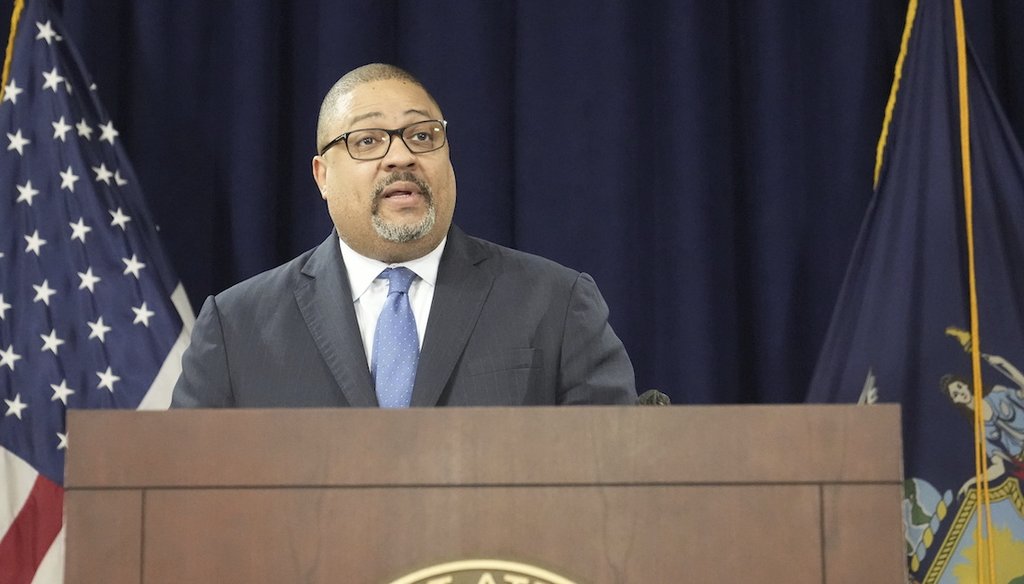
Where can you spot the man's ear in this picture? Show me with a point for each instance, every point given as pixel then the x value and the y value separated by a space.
pixel 320 174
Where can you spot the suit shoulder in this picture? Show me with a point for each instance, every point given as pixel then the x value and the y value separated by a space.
pixel 266 286
pixel 507 260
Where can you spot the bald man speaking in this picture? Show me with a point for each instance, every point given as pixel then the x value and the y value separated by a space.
pixel 398 307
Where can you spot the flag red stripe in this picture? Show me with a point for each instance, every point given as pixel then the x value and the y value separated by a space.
pixel 32 533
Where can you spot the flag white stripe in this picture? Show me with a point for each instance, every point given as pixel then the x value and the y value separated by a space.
pixel 159 395
pixel 16 481
pixel 51 569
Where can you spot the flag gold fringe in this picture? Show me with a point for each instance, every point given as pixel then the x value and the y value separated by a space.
pixel 19 5
pixel 891 104
pixel 986 552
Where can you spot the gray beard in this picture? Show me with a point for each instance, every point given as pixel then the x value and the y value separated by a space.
pixel 405 233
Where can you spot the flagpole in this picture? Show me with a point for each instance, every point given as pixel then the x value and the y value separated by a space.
pixel 9 53
pixel 986 554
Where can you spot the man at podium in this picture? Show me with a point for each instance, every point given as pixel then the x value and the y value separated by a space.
pixel 398 307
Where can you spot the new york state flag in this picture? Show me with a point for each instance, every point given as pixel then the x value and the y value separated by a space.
pixel 902 327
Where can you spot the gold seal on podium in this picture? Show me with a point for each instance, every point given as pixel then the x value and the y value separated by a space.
pixel 483 572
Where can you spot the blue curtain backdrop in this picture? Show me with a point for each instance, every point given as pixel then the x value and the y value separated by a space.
pixel 708 162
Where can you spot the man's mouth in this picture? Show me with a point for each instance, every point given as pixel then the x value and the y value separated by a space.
pixel 403 190
pixel 400 189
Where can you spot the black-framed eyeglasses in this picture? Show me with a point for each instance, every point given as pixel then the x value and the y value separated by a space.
pixel 374 143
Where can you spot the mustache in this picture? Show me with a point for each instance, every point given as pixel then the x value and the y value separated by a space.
pixel 424 188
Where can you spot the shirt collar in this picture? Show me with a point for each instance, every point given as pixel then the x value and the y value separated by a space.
pixel 362 271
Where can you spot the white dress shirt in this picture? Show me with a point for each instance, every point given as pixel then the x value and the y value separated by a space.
pixel 369 292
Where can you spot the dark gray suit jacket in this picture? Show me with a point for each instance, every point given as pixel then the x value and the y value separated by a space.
pixel 505 328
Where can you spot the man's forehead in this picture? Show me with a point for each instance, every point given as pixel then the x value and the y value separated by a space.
pixel 385 99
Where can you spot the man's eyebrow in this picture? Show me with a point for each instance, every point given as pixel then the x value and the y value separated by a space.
pixel 369 115
pixel 362 117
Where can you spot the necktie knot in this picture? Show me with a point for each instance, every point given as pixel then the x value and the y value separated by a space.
pixel 399 279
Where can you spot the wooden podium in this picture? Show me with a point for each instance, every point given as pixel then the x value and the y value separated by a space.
pixel 645 495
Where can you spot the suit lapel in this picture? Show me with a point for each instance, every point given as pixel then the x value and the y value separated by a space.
pixel 462 288
pixel 325 301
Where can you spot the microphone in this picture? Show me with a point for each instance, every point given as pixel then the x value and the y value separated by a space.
pixel 653 397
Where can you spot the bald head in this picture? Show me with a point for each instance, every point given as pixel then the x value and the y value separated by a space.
pixel 351 80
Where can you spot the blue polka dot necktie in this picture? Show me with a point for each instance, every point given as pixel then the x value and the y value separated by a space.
pixel 396 345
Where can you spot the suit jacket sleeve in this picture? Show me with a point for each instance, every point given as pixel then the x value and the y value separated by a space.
pixel 204 380
pixel 594 367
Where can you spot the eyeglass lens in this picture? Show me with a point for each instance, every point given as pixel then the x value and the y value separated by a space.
pixel 373 143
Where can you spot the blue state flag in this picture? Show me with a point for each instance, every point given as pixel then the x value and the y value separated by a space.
pixel 91 314
pixel 901 327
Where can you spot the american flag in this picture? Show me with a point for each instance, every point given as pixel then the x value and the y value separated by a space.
pixel 91 315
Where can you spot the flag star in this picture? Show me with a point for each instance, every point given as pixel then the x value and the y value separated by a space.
pixel 43 292
pixel 107 379
pixel 4 307
pixel 61 392
pixel 79 229
pixel 53 79
pixel 51 342
pixel 11 92
pixel 132 266
pixel 98 330
pixel 103 174
pixel 62 441
pixel 60 129
pixel 142 315
pixel 8 357
pixel 26 192
pixel 108 133
pixel 68 178
pixel 88 280
pixel 15 406
pixel 34 243
pixel 84 130
pixel 117 179
pixel 46 32
pixel 17 142
pixel 119 218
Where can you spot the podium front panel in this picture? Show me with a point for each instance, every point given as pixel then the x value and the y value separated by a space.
pixel 595 494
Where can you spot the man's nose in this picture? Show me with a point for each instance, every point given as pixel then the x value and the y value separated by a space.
pixel 399 155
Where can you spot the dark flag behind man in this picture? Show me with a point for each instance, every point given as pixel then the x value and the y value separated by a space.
pixel 91 315
pixel 901 331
